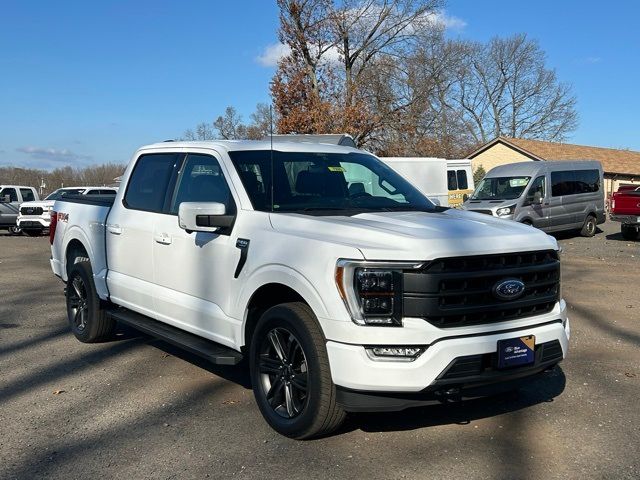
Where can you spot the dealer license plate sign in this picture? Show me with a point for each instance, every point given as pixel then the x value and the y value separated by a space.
pixel 516 351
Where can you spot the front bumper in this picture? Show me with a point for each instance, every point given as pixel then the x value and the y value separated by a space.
pixel 26 222
pixel 353 369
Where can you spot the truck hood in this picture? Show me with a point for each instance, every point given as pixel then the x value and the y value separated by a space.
pixel 38 203
pixel 417 235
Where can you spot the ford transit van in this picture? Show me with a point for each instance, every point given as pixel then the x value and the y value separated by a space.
pixel 550 195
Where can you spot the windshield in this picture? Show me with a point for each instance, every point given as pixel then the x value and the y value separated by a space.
pixel 324 183
pixel 62 192
pixel 500 188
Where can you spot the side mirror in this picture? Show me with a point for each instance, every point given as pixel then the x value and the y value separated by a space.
pixel 465 197
pixel 5 199
pixel 537 198
pixel 204 217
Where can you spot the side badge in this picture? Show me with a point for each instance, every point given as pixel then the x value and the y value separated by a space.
pixel 243 245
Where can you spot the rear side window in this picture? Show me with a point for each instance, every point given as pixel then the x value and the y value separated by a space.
pixel 462 180
pixel 11 193
pixel 107 192
pixel 574 182
pixel 93 192
pixel 149 182
pixel 27 195
pixel 201 180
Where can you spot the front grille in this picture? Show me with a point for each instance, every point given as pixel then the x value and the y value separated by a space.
pixel 31 210
pixel 487 212
pixel 486 364
pixel 458 292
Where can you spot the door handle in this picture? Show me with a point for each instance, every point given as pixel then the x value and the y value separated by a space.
pixel 114 229
pixel 162 238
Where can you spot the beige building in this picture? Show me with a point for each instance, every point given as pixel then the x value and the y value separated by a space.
pixel 620 166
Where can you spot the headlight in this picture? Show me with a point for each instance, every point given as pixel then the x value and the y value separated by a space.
pixel 502 211
pixel 372 291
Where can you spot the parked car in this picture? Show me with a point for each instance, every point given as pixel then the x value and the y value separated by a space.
pixel 550 195
pixel 343 299
pixel 11 196
pixel 35 217
pixel 625 208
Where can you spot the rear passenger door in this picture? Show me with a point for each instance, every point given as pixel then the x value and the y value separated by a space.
pixel 130 229
pixel 193 271
pixel 561 213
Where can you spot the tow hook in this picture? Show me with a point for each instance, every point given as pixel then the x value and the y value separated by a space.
pixel 449 395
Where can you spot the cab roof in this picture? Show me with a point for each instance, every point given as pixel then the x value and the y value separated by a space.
pixel 237 145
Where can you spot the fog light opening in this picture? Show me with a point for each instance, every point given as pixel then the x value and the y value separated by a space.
pixel 406 354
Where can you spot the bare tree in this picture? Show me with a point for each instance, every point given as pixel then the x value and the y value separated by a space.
pixel 506 89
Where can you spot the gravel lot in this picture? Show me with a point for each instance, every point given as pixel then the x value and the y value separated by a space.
pixel 138 408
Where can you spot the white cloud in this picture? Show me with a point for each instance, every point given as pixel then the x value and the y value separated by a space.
pixel 53 154
pixel 448 22
pixel 272 54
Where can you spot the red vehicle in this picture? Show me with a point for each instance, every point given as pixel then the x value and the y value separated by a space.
pixel 625 208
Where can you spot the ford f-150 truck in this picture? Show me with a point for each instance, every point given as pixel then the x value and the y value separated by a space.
pixel 11 196
pixel 625 208
pixel 344 286
pixel 35 217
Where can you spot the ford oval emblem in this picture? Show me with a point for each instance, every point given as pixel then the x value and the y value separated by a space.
pixel 508 289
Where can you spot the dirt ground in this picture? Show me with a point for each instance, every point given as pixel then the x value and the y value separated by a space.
pixel 138 408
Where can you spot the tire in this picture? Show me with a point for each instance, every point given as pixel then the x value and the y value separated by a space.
pixel 89 321
pixel 15 230
pixel 629 232
pixel 33 233
pixel 589 226
pixel 300 369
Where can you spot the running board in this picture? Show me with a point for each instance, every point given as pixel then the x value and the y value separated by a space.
pixel 211 351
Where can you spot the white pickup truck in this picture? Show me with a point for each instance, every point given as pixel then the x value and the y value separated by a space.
pixel 343 285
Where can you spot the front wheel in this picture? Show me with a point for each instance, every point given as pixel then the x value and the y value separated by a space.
pixel 290 373
pixel 15 230
pixel 88 320
pixel 589 227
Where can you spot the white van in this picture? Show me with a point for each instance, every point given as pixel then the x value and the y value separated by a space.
pixel 426 174
pixel 459 181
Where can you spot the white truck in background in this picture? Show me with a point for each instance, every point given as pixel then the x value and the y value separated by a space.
pixel 34 217
pixel 346 288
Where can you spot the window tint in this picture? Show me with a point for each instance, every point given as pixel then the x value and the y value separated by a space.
pixel 27 195
pixel 149 182
pixel 462 180
pixel 107 192
pixel 93 192
pixel 562 183
pixel 587 181
pixel 11 192
pixel 202 180
pixel 452 183
pixel 536 186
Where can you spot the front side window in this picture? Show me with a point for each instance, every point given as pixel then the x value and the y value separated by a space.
pixel 537 186
pixel 500 188
pixel 201 180
pixel 452 183
pixel 324 183
pixel 9 192
pixel 27 195
pixel 147 188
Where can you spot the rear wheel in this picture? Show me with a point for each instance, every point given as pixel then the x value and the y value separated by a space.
pixel 290 373
pixel 629 232
pixel 88 319
pixel 589 227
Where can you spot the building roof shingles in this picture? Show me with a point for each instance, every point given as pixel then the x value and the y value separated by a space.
pixel 625 162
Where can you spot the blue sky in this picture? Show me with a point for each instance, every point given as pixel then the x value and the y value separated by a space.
pixel 88 82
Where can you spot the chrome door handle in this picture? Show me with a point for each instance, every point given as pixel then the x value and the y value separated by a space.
pixel 162 238
pixel 114 229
